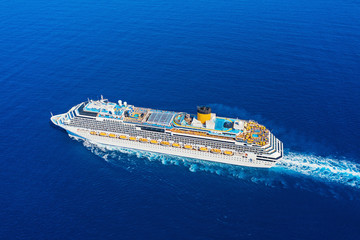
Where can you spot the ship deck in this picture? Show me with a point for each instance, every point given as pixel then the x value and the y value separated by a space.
pixel 223 128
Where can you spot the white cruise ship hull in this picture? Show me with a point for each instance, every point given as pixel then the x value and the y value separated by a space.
pixel 115 132
pixel 240 160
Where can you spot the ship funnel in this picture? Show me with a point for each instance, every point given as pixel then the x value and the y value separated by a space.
pixel 203 114
pixel 120 103
pixel 125 104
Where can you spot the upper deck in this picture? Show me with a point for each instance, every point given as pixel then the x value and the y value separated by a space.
pixel 248 132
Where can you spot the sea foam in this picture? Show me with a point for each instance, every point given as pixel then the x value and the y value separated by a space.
pixel 302 167
pixel 325 168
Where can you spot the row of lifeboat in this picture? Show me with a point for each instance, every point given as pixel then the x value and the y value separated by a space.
pixel 165 143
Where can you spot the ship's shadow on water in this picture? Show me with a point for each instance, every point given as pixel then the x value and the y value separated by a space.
pixel 325 176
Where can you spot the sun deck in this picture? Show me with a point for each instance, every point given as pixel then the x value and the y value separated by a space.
pixel 104 109
pixel 222 125
pixel 248 132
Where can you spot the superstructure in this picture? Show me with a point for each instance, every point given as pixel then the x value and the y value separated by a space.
pixel 204 136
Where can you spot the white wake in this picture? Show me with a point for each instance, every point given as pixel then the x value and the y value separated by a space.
pixel 325 168
pixel 299 166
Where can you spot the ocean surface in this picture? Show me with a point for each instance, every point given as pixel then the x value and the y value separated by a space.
pixel 293 66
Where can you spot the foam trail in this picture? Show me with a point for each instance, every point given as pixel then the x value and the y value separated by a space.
pixel 327 170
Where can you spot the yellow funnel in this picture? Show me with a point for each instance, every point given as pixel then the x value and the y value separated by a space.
pixel 203 114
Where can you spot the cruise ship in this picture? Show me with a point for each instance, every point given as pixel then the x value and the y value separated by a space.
pixel 203 135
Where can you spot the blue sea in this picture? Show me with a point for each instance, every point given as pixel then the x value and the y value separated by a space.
pixel 293 66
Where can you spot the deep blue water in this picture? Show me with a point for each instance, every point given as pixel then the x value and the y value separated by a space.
pixel 291 65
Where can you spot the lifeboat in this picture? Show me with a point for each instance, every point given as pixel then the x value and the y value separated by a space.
pixel 165 143
pixel 112 135
pixel 132 138
pixel 230 153
pixel 215 150
pixel 203 149
pixel 144 140
pixel 187 146
pixel 123 137
pixel 176 145
pixel 153 141
pixel 93 133
pixel 103 134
